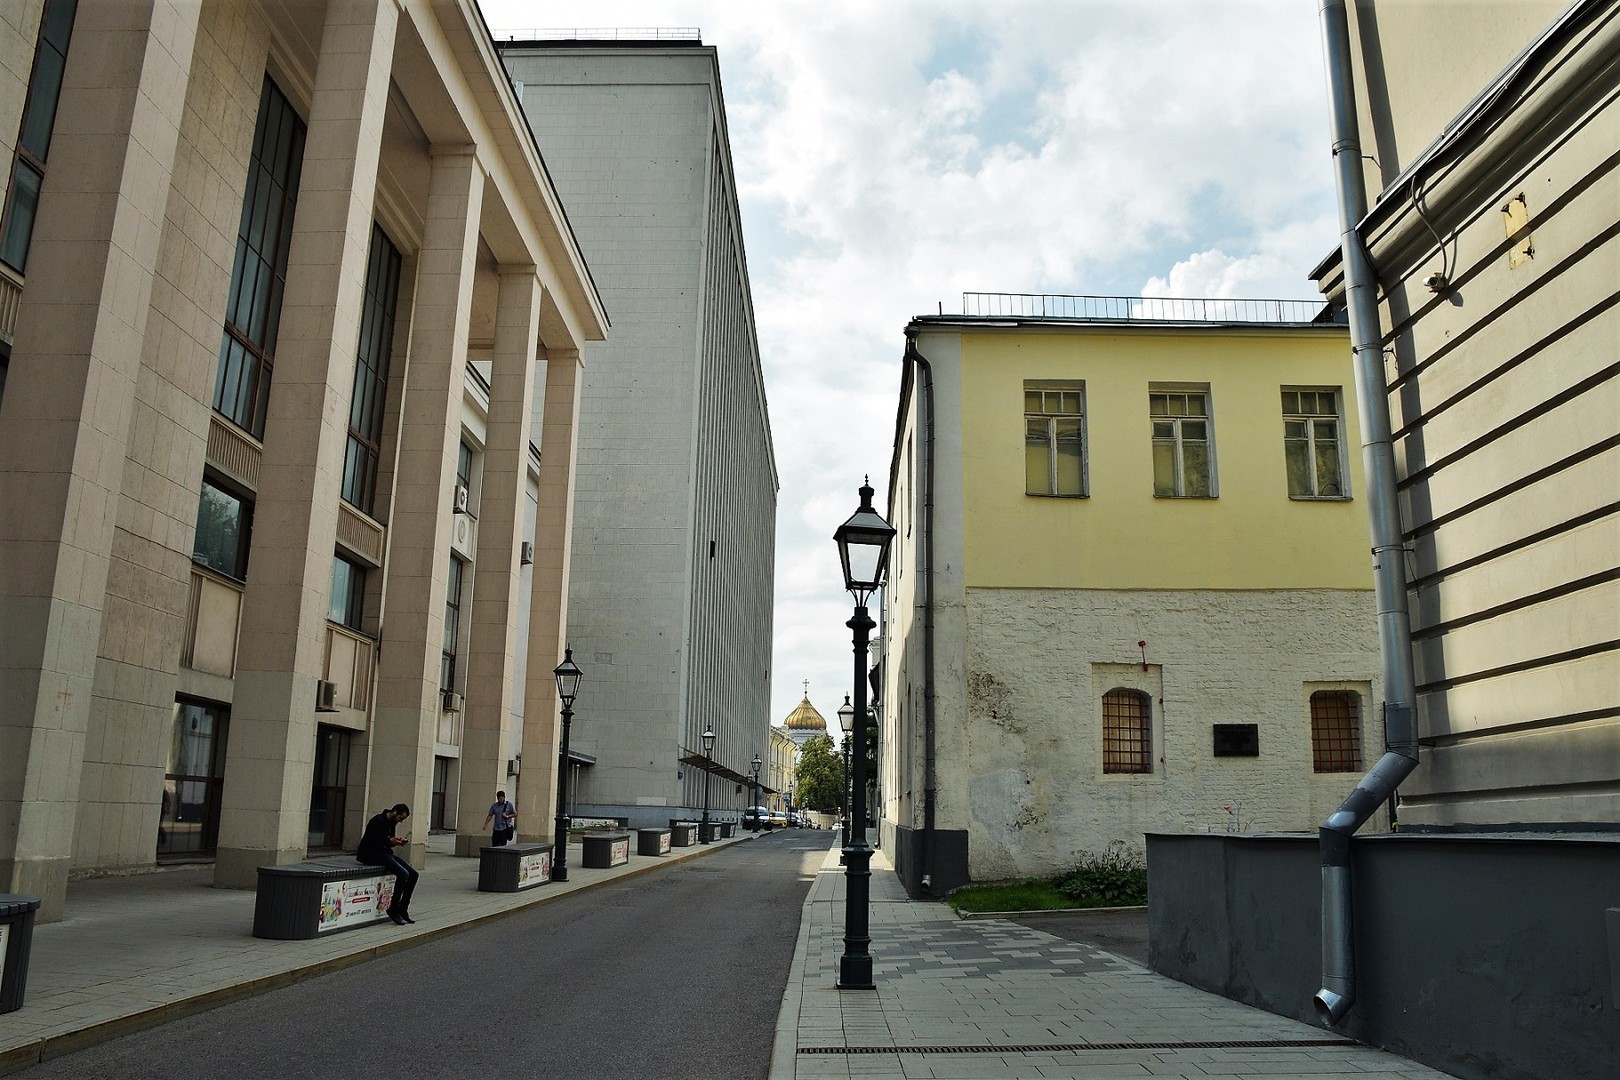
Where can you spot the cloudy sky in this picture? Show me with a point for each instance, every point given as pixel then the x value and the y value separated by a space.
pixel 891 156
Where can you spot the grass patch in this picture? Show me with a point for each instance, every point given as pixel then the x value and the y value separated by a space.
pixel 1115 877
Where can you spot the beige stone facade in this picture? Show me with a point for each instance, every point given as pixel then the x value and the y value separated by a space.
pixel 119 643
pixel 1492 233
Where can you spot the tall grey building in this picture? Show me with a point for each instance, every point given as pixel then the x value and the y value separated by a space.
pixel 670 594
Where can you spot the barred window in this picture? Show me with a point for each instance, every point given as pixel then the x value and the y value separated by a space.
pixel 1181 444
pixel 1054 439
pixel 1127 732
pixel 1312 444
pixel 1336 731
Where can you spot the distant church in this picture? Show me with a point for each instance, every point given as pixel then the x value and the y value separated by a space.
pixel 804 722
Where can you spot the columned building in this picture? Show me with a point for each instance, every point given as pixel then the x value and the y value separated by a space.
pixel 670 588
pixel 292 324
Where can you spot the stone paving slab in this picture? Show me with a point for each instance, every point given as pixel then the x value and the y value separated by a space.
pixel 143 949
pixel 963 1000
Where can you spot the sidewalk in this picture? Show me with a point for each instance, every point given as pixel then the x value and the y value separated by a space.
pixel 144 949
pixel 991 998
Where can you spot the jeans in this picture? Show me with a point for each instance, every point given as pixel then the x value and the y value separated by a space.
pixel 405 876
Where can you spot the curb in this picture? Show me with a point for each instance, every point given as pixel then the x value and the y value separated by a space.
pixel 33 1053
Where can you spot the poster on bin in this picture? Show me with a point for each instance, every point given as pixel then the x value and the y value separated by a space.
pixel 534 869
pixel 344 903
pixel 5 929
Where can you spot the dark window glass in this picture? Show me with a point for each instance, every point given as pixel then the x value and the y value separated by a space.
pixel 452 625
pixel 224 529
pixel 348 602
pixel 34 137
pixel 264 237
pixel 188 823
pixel 329 794
pixel 371 373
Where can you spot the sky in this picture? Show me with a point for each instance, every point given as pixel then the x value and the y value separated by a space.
pixel 890 156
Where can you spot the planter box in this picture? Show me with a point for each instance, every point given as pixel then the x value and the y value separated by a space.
pixel 653 841
pixel 604 850
pixel 682 834
pixel 513 867
pixel 16 941
pixel 310 899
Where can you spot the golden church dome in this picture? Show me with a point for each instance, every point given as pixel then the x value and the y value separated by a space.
pixel 805 718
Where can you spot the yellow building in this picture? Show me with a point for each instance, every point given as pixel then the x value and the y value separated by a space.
pixel 1130 589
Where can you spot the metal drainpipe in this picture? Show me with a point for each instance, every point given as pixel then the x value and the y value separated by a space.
pixel 1338 991
pixel 929 787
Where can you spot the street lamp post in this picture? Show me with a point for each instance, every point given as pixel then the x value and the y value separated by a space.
pixel 846 721
pixel 567 674
pixel 708 762
pixel 753 791
pixel 863 548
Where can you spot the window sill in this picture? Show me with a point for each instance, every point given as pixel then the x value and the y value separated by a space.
pixel 1320 498
pixel 1044 495
pixel 1187 498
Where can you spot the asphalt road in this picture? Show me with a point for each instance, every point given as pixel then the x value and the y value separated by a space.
pixel 674 973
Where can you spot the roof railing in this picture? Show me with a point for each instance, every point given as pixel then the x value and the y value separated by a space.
pixel 1142 308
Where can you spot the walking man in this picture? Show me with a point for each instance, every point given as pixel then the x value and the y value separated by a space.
pixel 504 815
pixel 377 849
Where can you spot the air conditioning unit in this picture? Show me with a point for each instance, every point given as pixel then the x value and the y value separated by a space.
pixel 325 696
pixel 512 765
pixel 452 701
pixel 462 497
pixel 526 553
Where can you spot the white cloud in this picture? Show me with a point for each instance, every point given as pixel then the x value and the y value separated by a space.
pixel 890 156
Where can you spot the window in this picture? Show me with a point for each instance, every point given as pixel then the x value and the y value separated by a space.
pixel 253 309
pixel 348 601
pixel 34 139
pixel 1335 731
pixel 1181 444
pixel 371 373
pixel 224 530
pixel 452 625
pixel 329 794
pixel 1127 732
pixel 188 822
pixel 1054 439
pixel 1311 444
pixel 464 469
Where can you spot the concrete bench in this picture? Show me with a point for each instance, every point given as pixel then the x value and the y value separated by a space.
pixel 653 841
pixel 682 833
pixel 321 896
pixel 513 867
pixel 604 850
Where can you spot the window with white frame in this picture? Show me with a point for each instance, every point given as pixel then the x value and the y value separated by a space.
pixel 1313 444
pixel 1055 439
pixel 1127 731
pixel 1183 443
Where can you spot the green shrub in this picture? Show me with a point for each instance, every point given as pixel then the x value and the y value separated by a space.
pixel 1114 877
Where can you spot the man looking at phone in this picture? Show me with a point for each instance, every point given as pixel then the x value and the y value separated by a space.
pixel 377 849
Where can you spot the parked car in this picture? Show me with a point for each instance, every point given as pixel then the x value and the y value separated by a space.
pixel 756 817
pixel 779 819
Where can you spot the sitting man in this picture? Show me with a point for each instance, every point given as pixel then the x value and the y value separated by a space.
pixel 377 849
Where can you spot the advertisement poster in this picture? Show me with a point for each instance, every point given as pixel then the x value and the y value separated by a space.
pixel 5 929
pixel 664 844
pixel 534 869
pixel 357 900
pixel 621 852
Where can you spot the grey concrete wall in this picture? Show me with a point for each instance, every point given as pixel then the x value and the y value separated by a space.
pixel 1485 955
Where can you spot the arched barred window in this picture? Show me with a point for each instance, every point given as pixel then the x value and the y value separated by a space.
pixel 1127 731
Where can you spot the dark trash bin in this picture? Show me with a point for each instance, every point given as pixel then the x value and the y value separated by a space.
pixel 16 941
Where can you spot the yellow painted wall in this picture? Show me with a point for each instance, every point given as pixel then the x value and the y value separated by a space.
pixel 1251 536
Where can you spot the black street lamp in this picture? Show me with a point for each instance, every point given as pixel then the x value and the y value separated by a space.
pixel 753 791
pixel 708 763
pixel 863 548
pixel 846 721
pixel 567 674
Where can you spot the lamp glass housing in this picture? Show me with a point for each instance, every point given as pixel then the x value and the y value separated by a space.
pixel 568 675
pixel 863 547
pixel 846 716
pixel 708 741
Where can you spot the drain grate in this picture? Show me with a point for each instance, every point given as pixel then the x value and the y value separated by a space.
pixel 1047 1048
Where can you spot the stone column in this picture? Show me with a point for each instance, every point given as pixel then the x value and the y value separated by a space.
pixel 407 705
pixel 281 653
pixel 548 605
pixel 64 430
pixel 492 644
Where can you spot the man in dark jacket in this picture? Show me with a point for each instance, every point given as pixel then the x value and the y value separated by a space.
pixel 377 849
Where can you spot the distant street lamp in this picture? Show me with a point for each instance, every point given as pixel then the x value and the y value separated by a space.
pixel 863 548
pixel 753 792
pixel 846 721
pixel 567 674
pixel 708 764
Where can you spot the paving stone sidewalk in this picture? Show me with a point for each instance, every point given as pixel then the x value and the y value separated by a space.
pixel 990 998
pixel 144 949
